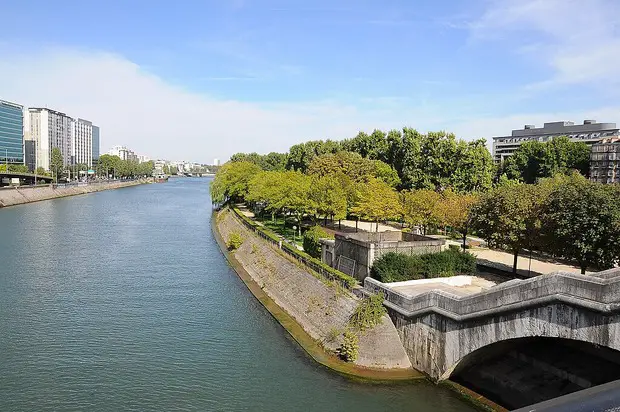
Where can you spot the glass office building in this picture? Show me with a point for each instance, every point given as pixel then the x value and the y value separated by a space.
pixel 11 133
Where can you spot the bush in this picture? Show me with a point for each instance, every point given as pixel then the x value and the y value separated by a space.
pixel 396 267
pixel 368 313
pixel 312 246
pixel 234 241
pixel 349 349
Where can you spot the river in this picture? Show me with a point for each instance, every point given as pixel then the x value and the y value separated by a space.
pixel 121 300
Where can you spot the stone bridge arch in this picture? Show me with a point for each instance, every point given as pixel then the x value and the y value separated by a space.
pixel 438 330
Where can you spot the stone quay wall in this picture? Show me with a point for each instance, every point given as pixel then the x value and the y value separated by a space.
pixel 20 195
pixel 321 307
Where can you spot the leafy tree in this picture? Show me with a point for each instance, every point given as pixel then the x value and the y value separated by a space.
pixel 377 201
pixel 582 221
pixel 454 210
pixel 420 207
pixel 41 171
pixel 311 243
pixel 357 168
pixel 265 188
pixel 510 217
pixel 329 197
pixel 109 164
pixel 301 155
pixel 56 162
pixel 534 160
pixel 18 168
pixel 295 195
pixel 231 181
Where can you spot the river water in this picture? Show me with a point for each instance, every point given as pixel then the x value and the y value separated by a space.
pixel 121 300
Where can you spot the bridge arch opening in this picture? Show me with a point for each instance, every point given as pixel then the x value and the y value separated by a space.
pixel 519 372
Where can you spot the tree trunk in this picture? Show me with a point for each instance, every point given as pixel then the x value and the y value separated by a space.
pixel 514 264
pixel 339 220
pixel 357 219
pixel 377 226
pixel 325 220
pixel 464 240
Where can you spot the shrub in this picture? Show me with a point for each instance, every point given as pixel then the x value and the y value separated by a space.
pixel 395 267
pixel 349 349
pixel 312 246
pixel 234 241
pixel 368 313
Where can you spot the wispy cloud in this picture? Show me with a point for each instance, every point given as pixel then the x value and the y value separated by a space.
pixel 578 41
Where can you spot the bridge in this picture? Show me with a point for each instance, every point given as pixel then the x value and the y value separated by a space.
pixel 565 326
pixel 24 178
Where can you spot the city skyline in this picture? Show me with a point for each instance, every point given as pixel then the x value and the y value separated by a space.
pixel 294 73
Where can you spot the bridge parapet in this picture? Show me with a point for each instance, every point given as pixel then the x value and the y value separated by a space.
pixel 439 329
pixel 599 292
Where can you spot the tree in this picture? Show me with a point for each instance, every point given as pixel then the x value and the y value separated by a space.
pixel 41 171
pixel 510 217
pixel 56 162
pixel 109 164
pixel 420 207
pixel 377 201
pixel 329 197
pixel 455 211
pixel 295 195
pixel 582 221
pixel 534 160
pixel 232 180
pixel 18 168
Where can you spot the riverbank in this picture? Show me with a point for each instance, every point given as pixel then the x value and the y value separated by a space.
pixel 314 312
pixel 27 194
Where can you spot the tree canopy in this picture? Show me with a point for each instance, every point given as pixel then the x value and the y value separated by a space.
pixel 534 160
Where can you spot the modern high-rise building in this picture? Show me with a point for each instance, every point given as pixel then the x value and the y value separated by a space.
pixel 95 152
pixel 11 133
pixel 605 161
pixel 590 132
pixel 50 129
pixel 82 143
pixel 216 162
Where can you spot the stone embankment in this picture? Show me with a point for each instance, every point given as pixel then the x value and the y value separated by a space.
pixel 27 194
pixel 322 308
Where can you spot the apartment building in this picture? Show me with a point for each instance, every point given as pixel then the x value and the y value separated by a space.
pixel 96 146
pixel 605 161
pixel 50 129
pixel 123 152
pixel 590 132
pixel 11 133
pixel 82 143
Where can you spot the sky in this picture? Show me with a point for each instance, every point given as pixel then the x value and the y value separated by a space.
pixel 197 80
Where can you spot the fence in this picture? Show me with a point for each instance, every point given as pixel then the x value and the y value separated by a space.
pixel 302 257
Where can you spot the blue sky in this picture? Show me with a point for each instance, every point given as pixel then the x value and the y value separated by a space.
pixel 197 80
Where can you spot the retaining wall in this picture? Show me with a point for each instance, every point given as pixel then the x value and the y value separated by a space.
pixel 321 307
pixel 27 194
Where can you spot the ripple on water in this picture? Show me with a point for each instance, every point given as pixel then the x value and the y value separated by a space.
pixel 121 300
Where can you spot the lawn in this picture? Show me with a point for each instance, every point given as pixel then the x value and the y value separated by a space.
pixel 278 227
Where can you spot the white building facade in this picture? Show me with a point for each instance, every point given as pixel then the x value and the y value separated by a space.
pixel 50 129
pixel 123 152
pixel 590 132
pixel 82 144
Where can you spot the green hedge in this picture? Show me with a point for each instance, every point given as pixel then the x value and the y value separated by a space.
pixel 312 244
pixel 312 263
pixel 397 267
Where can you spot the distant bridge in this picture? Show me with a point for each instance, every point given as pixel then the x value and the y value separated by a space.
pixel 25 178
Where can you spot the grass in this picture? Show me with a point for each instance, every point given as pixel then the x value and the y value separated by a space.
pixel 285 231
